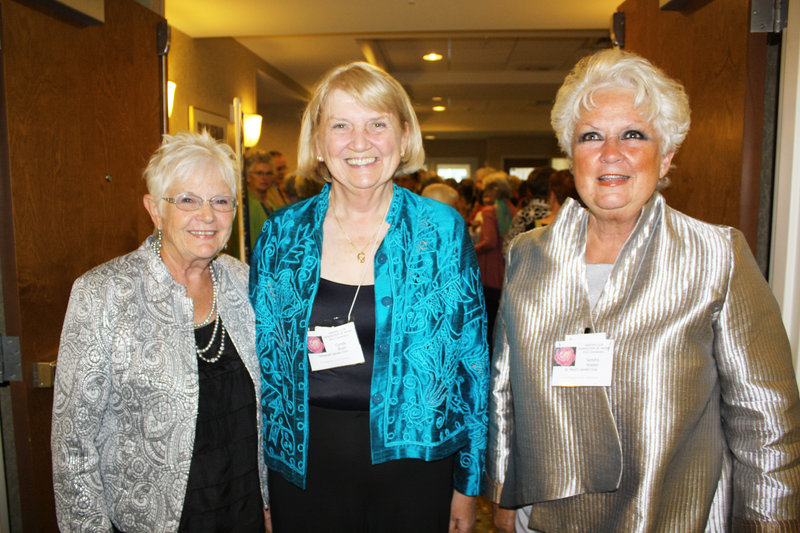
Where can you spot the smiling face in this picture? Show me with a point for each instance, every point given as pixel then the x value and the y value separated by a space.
pixel 616 159
pixel 259 177
pixel 192 236
pixel 360 146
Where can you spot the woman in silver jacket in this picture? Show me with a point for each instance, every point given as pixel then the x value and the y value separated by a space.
pixel 155 410
pixel 642 378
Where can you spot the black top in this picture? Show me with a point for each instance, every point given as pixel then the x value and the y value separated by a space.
pixel 345 387
pixel 223 492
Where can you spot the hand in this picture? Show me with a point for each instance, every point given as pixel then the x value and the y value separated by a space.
pixel 462 513
pixel 503 518
pixel 267 521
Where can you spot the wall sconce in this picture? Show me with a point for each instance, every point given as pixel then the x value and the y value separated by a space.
pixel 170 97
pixel 252 129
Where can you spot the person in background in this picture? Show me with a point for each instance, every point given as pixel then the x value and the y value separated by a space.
pixel 538 206
pixel 642 378
pixel 441 193
pixel 370 327
pixel 281 170
pixel 408 181
pixel 274 198
pixel 466 197
pixel 495 219
pixel 288 188
pixel 297 187
pixel 560 186
pixel 155 405
pixel 260 177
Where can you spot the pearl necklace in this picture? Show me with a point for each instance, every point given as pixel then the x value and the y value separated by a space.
pixel 214 285
pixel 201 351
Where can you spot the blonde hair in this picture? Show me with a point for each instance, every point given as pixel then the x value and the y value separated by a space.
pixel 372 88
pixel 663 99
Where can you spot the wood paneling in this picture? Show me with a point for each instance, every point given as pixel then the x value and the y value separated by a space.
pixel 706 48
pixel 82 104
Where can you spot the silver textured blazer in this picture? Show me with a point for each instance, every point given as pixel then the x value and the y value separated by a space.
pixel 700 428
pixel 126 392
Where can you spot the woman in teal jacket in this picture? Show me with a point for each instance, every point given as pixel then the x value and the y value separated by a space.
pixel 371 330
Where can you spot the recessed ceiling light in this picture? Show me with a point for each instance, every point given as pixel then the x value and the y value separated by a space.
pixel 432 56
pixel 439 108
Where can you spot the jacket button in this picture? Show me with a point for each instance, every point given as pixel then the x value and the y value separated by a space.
pixel 386 301
pixel 377 398
pixel 381 258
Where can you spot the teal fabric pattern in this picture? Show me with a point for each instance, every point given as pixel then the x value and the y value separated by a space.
pixel 429 391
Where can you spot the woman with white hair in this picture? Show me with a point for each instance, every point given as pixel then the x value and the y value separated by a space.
pixel 155 407
pixel 642 378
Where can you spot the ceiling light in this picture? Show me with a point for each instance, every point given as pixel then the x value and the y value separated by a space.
pixel 437 98
pixel 430 137
pixel 439 108
pixel 432 56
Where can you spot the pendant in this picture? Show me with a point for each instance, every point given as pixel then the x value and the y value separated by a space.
pixel 361 257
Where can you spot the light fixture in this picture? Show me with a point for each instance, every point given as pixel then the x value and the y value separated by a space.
pixel 252 129
pixel 439 108
pixel 432 56
pixel 170 97
pixel 437 98
pixel 430 137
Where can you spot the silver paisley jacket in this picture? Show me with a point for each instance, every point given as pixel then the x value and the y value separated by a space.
pixel 700 428
pixel 126 392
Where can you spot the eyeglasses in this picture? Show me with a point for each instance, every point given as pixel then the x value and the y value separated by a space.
pixel 187 201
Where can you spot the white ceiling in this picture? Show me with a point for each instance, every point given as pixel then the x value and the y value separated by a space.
pixel 503 60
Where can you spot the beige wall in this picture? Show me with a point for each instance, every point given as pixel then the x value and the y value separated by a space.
pixel 209 74
pixel 280 129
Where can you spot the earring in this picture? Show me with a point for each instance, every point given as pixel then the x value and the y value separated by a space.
pixel 157 243
pixel 319 158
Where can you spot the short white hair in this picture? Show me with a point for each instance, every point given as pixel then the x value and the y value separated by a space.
pixel 185 154
pixel 662 98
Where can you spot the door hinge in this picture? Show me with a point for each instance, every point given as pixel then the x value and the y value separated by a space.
pixel 10 359
pixel 768 16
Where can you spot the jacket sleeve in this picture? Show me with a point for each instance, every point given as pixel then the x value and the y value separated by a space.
pixel 80 400
pixel 501 410
pixel 760 408
pixel 471 460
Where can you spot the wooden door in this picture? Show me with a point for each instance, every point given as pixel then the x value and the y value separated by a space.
pixel 82 110
pixel 719 176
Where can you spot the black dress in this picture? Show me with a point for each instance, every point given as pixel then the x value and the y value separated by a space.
pixel 224 492
pixel 345 492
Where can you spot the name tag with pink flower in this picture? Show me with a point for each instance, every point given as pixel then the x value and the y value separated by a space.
pixel 584 360
pixel 332 347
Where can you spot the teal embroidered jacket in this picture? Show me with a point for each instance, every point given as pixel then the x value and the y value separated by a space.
pixel 429 390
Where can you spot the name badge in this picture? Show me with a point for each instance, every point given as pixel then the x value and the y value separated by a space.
pixel 583 360
pixel 332 347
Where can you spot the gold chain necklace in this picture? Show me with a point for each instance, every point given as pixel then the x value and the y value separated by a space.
pixel 361 255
